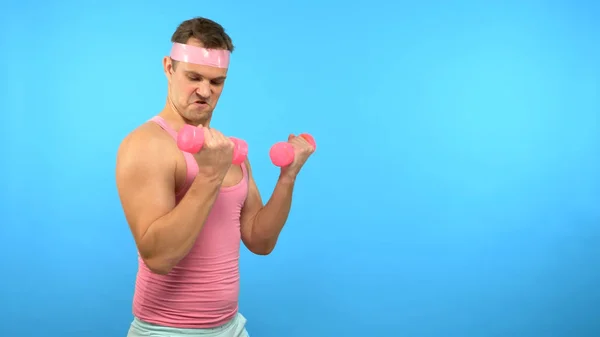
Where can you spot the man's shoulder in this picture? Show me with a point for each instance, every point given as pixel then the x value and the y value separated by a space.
pixel 146 135
pixel 146 142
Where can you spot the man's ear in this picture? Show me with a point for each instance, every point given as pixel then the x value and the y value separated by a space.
pixel 168 67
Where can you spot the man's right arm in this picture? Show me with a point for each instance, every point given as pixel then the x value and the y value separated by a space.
pixel 163 231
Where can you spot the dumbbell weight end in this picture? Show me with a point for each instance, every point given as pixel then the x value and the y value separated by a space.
pixel 190 139
pixel 282 154
pixel 240 151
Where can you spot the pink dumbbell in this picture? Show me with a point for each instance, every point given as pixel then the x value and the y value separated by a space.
pixel 191 139
pixel 282 154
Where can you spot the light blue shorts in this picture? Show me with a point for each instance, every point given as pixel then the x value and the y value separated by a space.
pixel 234 328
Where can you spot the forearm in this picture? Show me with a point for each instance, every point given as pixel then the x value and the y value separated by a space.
pixel 173 235
pixel 269 221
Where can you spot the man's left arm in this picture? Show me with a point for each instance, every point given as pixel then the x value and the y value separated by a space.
pixel 261 224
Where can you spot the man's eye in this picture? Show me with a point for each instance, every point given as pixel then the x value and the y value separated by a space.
pixel 194 79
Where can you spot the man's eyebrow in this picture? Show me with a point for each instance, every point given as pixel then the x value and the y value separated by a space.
pixel 195 74
pixel 192 73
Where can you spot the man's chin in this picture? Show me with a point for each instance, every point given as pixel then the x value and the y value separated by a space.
pixel 199 114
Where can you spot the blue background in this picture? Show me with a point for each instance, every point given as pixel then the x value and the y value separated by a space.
pixel 455 191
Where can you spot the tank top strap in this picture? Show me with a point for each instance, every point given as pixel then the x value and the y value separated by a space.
pixel 190 162
pixel 163 124
pixel 191 172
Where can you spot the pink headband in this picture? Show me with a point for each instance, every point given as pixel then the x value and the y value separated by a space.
pixel 209 57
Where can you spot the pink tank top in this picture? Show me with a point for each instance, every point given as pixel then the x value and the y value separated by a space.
pixel 202 290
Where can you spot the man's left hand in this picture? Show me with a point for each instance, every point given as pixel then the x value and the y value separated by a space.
pixel 302 150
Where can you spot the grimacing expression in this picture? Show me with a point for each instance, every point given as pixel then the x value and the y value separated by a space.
pixel 195 89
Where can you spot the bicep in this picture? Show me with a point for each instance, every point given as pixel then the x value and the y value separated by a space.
pixel 251 207
pixel 145 186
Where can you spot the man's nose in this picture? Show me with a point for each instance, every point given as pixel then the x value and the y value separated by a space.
pixel 203 89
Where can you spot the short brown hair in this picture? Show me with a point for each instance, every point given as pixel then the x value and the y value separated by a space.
pixel 211 34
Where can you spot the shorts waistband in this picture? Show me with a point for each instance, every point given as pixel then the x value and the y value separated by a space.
pixel 142 328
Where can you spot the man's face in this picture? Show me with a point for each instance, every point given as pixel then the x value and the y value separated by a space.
pixel 194 89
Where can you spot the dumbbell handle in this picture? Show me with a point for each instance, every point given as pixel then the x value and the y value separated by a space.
pixel 191 139
pixel 282 154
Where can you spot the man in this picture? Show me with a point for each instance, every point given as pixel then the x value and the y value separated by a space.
pixel 187 212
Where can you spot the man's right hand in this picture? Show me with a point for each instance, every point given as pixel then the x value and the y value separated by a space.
pixel 214 159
